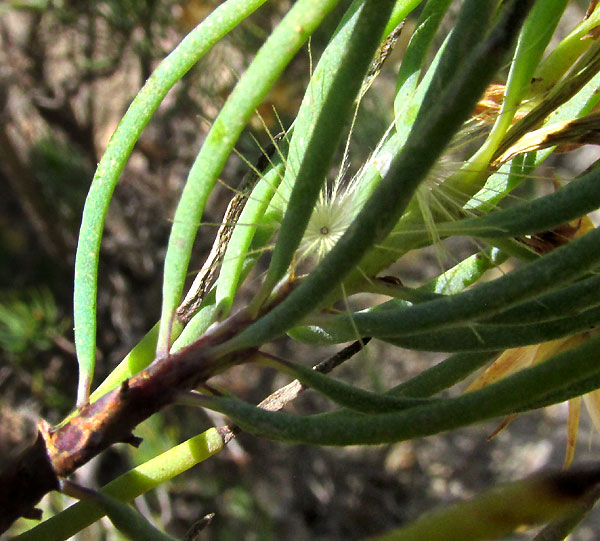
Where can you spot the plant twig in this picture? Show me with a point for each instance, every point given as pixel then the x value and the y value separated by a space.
pixel 207 275
pixel 59 451
pixel 284 395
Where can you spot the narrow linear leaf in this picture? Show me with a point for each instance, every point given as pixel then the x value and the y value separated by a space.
pixel 416 52
pixel 126 519
pixel 568 301
pixel 344 428
pixel 574 200
pixel 533 40
pixel 241 239
pixel 467 337
pixel 137 359
pixel 318 129
pixel 564 55
pixel 128 486
pixel 443 375
pixel 270 61
pixel 556 268
pixel 469 32
pixel 171 69
pixel 455 280
pixel 401 10
pixel 382 210
pixel 343 394
pixel 479 337
pixel 198 325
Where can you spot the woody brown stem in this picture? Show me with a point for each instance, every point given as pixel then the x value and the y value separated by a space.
pixel 25 482
pixel 59 451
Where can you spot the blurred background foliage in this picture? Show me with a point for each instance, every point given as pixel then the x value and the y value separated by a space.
pixel 68 71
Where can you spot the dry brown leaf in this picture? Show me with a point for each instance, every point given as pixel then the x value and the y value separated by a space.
pixel 566 135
